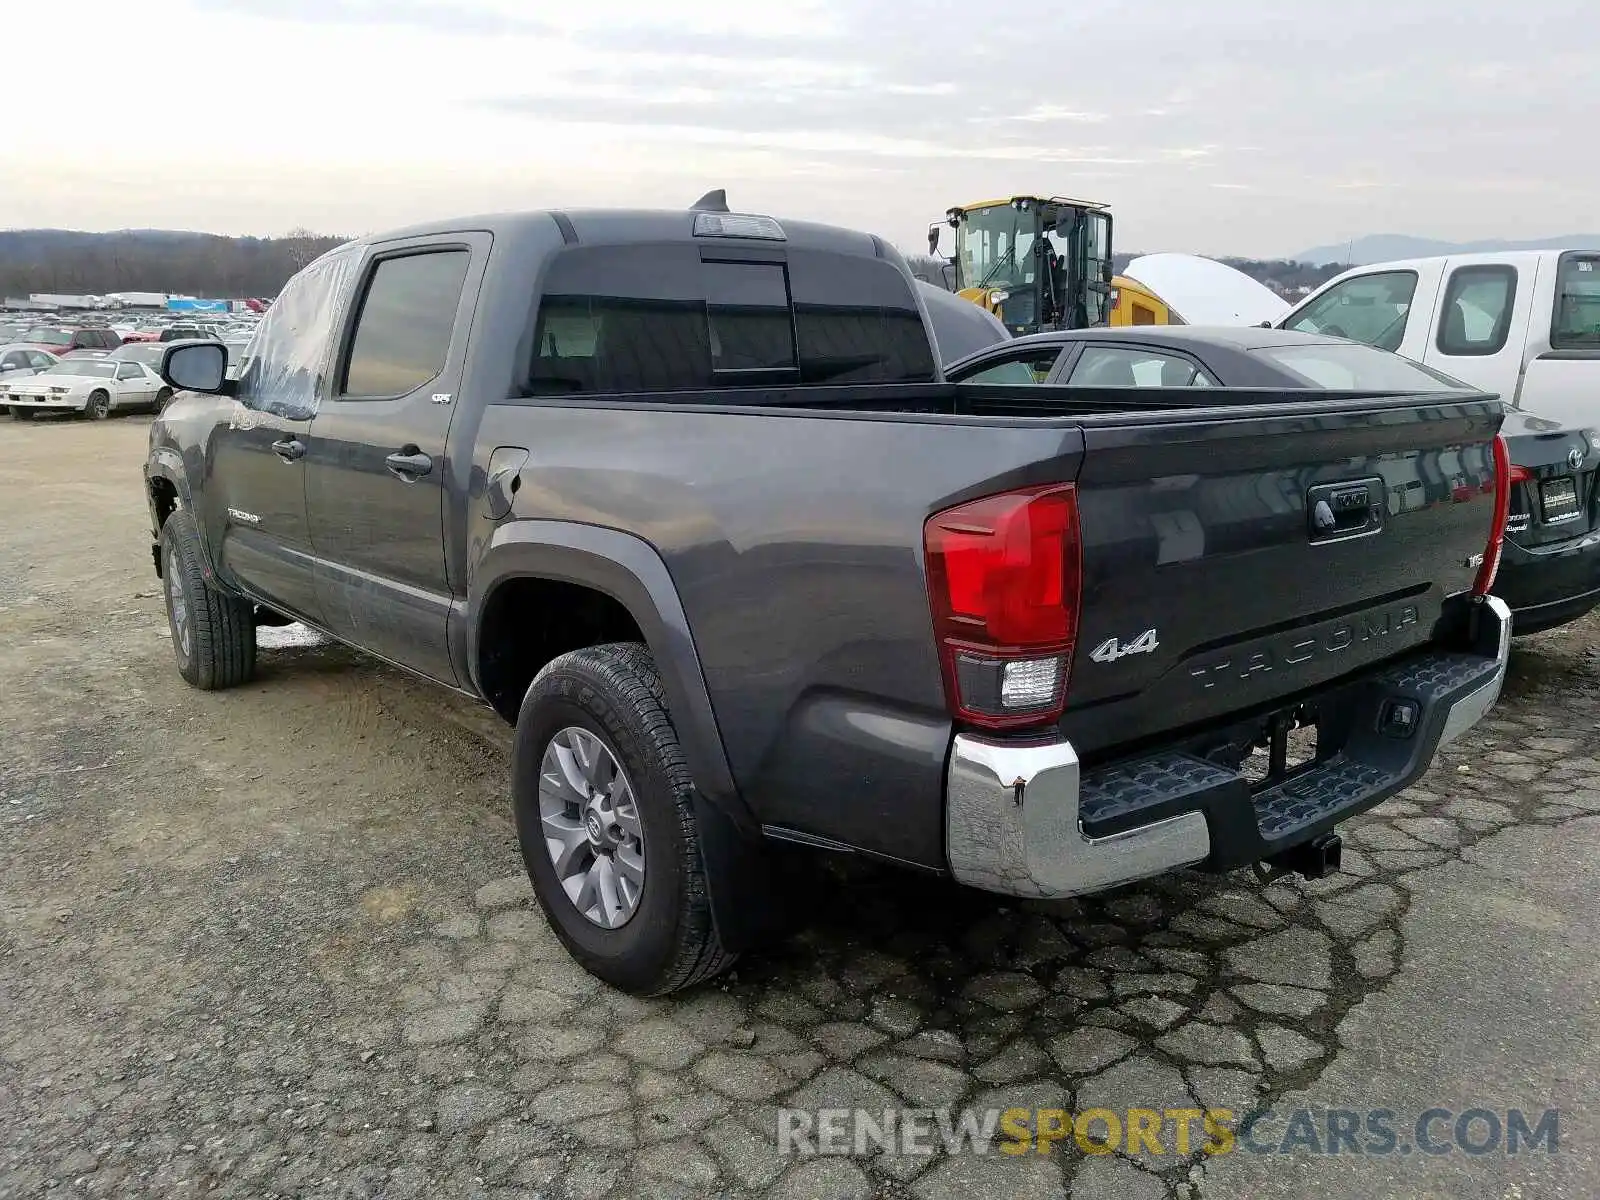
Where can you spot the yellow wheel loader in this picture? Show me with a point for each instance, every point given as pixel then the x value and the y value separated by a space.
pixel 1037 263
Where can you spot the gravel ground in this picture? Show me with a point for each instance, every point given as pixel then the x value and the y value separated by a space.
pixel 278 942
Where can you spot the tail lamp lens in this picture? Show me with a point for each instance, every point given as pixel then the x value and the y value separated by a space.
pixel 1503 479
pixel 1004 575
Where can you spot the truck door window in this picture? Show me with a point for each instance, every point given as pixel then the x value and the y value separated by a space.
pixel 403 330
pixel 1576 322
pixel 1369 308
pixel 1476 315
pixel 1127 366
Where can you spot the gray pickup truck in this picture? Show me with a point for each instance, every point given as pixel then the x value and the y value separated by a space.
pixel 685 496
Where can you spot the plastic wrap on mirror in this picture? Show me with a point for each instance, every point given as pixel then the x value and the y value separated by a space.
pixel 283 367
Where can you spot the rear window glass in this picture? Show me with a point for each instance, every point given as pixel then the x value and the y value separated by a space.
pixel 1352 368
pixel 1577 314
pixel 659 319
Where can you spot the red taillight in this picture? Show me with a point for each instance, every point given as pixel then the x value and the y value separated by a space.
pixel 1504 477
pixel 1003 579
pixel 1520 474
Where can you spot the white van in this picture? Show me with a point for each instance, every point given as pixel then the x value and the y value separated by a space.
pixel 1524 325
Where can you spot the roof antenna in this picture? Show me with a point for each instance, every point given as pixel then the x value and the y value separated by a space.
pixel 713 201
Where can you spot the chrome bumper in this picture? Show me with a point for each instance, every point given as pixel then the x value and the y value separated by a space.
pixel 1012 819
pixel 1494 633
pixel 1011 826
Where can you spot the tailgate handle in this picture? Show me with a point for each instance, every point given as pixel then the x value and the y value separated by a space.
pixel 1342 510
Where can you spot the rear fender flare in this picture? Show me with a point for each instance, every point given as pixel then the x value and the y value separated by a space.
pixel 630 571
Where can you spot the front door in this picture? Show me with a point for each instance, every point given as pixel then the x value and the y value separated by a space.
pixel 255 489
pixel 376 463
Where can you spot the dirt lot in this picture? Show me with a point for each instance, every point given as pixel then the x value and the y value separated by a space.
pixel 277 941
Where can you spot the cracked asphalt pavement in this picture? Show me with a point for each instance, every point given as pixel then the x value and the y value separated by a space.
pixel 277 942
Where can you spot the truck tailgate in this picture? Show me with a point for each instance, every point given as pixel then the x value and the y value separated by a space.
pixel 1232 560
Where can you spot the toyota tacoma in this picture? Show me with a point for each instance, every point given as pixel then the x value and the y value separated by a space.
pixel 685 497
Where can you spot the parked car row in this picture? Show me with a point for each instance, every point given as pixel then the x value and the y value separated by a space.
pixel 88 383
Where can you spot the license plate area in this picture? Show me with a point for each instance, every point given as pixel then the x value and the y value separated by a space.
pixel 1558 500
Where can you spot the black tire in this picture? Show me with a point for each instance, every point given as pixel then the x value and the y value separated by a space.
pixel 99 406
pixel 163 398
pixel 220 651
pixel 21 414
pixel 614 692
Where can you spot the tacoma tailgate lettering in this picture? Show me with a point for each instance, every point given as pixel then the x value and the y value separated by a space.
pixel 1296 648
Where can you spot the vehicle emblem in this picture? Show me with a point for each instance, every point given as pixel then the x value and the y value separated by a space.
pixel 441 397
pixel 1575 457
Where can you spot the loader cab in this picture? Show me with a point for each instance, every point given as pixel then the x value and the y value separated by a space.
pixel 1037 264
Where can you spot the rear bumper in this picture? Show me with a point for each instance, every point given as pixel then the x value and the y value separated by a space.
pixel 1026 819
pixel 1549 586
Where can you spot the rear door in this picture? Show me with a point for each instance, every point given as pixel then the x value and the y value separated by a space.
pixel 375 463
pixel 1480 325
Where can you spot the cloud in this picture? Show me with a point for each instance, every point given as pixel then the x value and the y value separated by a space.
pixel 1231 126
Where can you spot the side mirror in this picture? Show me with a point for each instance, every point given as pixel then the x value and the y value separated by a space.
pixel 197 366
pixel 1064 223
pixel 1265 325
pixel 934 231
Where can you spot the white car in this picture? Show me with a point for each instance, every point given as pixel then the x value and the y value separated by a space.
pixel 23 362
pixel 92 387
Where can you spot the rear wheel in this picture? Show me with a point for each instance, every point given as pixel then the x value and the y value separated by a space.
pixel 99 406
pixel 163 397
pixel 605 817
pixel 213 632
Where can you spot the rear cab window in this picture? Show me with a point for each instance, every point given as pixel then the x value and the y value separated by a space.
pixel 1575 323
pixel 690 318
pixel 1370 308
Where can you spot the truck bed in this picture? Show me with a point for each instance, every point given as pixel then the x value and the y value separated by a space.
pixel 791 522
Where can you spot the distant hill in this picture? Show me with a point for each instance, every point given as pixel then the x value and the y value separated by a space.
pixel 1382 247
pixel 152 260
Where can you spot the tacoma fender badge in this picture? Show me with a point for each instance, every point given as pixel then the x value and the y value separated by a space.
pixel 249 518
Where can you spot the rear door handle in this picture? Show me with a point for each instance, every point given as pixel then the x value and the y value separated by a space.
pixel 289 449
pixel 409 464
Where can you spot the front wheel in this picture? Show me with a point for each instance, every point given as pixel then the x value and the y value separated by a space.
pixel 99 406
pixel 21 414
pixel 213 632
pixel 605 818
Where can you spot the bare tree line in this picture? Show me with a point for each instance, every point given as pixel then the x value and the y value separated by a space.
pixel 194 264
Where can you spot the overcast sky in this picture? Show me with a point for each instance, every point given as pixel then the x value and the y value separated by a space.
pixel 1218 126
